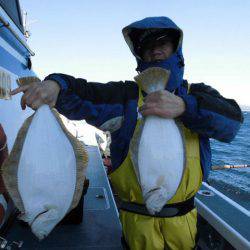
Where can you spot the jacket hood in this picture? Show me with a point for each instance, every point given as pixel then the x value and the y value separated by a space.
pixel 175 63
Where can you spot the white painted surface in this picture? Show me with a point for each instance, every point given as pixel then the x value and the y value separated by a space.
pixel 229 233
pixel 83 131
pixel 11 114
pixel 227 199
pixel 12 51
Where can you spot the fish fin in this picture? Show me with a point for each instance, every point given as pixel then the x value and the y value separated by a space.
pixel 25 217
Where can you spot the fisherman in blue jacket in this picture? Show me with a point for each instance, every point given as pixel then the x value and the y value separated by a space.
pixel 202 111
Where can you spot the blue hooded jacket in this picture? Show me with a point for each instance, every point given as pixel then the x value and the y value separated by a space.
pixel 113 106
pixel 175 63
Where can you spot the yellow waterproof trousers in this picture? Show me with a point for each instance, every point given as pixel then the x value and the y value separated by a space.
pixel 150 233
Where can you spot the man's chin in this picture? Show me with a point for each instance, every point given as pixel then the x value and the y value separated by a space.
pixel 158 60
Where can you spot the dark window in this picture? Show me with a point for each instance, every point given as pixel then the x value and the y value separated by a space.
pixel 12 8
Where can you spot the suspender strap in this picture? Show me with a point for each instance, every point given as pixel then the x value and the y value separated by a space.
pixel 169 210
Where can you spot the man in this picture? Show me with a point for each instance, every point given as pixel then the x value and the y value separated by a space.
pixel 203 112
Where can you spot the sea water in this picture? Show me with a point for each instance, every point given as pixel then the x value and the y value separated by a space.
pixel 235 183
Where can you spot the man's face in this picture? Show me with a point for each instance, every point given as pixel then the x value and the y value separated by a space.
pixel 157 52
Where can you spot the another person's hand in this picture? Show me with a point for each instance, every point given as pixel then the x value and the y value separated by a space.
pixel 164 104
pixel 38 93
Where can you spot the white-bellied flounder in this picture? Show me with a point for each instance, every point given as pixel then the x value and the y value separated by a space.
pixel 157 148
pixel 44 173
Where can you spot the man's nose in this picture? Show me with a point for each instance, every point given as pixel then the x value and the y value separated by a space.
pixel 156 49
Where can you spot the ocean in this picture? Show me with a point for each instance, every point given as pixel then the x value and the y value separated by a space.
pixel 235 183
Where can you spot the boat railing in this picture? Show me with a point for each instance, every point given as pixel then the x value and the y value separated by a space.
pixel 7 25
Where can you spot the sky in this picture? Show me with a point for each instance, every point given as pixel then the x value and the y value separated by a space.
pixel 84 39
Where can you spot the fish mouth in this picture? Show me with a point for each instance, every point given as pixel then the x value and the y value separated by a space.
pixel 148 193
pixel 153 190
pixel 36 217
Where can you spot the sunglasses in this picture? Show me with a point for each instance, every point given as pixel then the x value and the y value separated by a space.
pixel 152 42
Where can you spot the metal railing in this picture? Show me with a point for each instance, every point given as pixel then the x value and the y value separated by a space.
pixel 8 26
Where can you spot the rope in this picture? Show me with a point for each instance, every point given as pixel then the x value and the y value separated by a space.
pixel 229 166
pixel 3 147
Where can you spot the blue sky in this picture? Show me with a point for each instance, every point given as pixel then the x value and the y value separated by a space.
pixel 83 38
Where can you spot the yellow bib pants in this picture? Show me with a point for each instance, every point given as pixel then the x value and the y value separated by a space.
pixel 151 233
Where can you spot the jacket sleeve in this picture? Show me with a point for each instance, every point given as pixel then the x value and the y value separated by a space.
pixel 94 102
pixel 210 114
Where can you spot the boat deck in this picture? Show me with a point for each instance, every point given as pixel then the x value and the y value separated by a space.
pixel 228 218
pixel 100 228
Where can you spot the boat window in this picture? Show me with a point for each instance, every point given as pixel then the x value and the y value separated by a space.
pixel 12 8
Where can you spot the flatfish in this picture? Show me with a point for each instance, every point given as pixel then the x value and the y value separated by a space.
pixel 44 173
pixel 157 148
